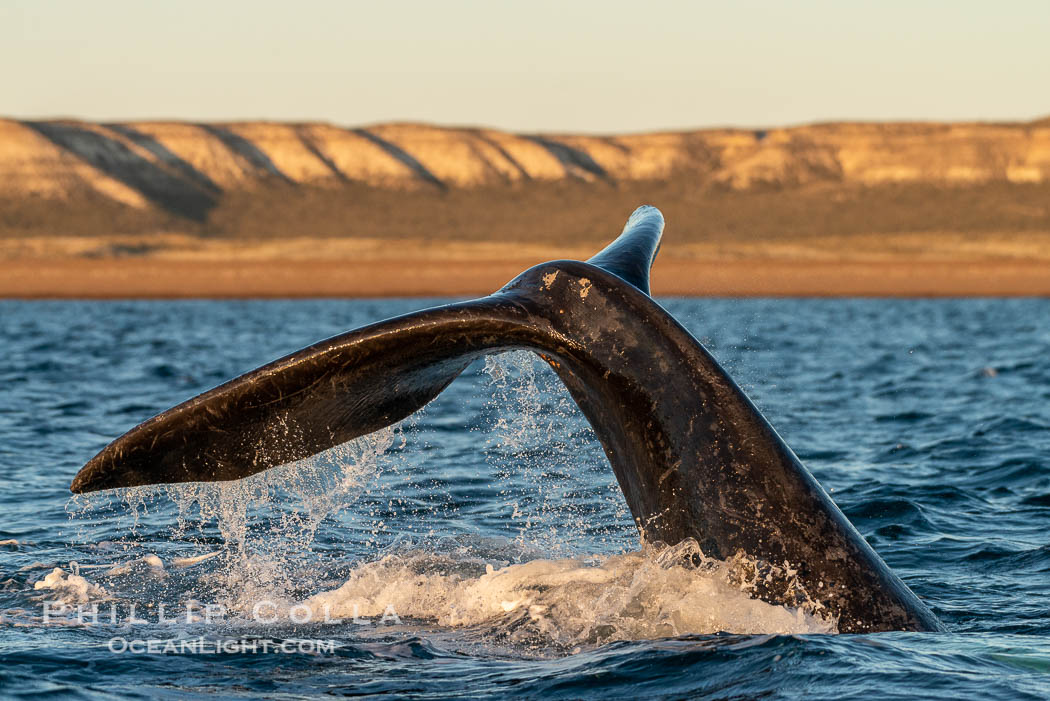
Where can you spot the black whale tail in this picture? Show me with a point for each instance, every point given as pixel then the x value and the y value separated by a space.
pixel 692 454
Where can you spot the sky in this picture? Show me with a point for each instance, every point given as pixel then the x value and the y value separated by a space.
pixel 564 65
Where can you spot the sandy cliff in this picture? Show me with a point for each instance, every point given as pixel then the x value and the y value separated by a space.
pixel 185 167
pixel 317 192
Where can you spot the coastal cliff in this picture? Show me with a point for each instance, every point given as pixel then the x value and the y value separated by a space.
pixel 77 177
pixel 262 179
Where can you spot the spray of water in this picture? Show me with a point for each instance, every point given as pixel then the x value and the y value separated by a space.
pixel 546 587
pixel 548 461
pixel 266 523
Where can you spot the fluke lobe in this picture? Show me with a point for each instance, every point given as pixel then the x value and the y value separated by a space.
pixel 694 457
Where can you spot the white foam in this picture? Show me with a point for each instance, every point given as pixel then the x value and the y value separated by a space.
pixel 566 602
pixel 190 561
pixel 71 588
pixel 150 563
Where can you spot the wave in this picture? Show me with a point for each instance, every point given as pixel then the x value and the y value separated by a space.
pixel 653 593
pixel 565 604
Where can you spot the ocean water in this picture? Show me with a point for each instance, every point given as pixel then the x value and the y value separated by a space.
pixel 482 547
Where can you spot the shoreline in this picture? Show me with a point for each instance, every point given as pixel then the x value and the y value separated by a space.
pixel 159 278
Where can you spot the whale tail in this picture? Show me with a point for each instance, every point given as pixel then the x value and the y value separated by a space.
pixel 693 456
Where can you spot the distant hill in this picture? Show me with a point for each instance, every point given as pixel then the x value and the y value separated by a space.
pixel 261 179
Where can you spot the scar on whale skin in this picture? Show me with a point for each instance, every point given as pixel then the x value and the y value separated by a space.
pixel 694 457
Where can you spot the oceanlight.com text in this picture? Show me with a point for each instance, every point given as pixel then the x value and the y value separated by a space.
pixel 203 646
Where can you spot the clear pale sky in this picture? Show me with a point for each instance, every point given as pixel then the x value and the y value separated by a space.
pixel 594 66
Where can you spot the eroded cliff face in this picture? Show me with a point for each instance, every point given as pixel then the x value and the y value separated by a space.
pixel 81 177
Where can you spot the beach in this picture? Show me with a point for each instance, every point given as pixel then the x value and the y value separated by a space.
pixel 168 279
pixel 167 266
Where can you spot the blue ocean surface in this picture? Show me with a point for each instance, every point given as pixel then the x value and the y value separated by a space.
pixel 482 547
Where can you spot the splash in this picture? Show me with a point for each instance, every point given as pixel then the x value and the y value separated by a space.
pixel 266 523
pixel 300 495
pixel 544 589
pixel 548 460
pixel 567 603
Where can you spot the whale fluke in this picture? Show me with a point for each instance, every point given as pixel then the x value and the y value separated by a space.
pixel 630 257
pixel 692 454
